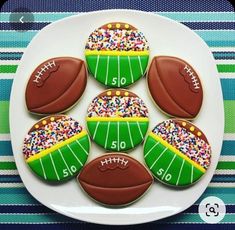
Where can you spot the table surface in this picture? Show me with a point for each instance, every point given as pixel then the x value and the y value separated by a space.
pixel 212 20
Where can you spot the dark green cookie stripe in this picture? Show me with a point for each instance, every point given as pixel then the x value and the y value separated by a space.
pixel 168 166
pixel 117 135
pixel 66 161
pixel 117 71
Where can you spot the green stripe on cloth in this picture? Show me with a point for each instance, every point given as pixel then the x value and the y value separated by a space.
pixel 7 165
pixel 8 68
pixel 4 117
pixel 228 68
pixel 229 110
pixel 226 165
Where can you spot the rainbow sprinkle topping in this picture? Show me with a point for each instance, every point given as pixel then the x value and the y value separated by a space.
pixel 50 134
pixel 117 40
pixel 186 142
pixel 117 106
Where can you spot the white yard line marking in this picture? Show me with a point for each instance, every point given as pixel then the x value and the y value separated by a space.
pixel 53 164
pixel 75 155
pixel 43 170
pixel 132 78
pixel 177 182
pixel 97 125
pixel 64 161
pixel 169 166
pixel 141 134
pixel 158 158
pixel 141 69
pixel 129 131
pixel 97 63
pixel 151 149
pixel 82 147
pixel 118 71
pixel 107 136
pixel 107 72
pixel 192 174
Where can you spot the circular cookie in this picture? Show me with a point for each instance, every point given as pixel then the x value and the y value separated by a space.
pixel 56 148
pixel 175 87
pixel 115 179
pixel 117 54
pixel 117 120
pixel 177 152
pixel 56 85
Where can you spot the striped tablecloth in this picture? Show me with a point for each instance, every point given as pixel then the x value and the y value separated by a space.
pixel 212 20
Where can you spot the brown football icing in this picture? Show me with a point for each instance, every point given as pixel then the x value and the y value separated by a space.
pixel 55 85
pixel 191 128
pixel 117 92
pixel 115 179
pixel 175 86
pixel 118 25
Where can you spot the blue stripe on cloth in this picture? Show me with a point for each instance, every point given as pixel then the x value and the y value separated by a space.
pixel 182 16
pixel 223 178
pixel 194 209
pixel 26 26
pixel 228 86
pixel 88 226
pixel 10 55
pixel 191 25
pixel 224 55
pixel 10 179
pixel 228 148
pixel 25 209
pixel 5 148
pixel 5 89
pixel 217 55
pixel 90 5
pixel 210 25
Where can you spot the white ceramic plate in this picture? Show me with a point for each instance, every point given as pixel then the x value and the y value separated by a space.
pixel 67 38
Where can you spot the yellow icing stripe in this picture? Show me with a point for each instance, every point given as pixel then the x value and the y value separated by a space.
pixel 56 146
pixel 116 53
pixel 117 119
pixel 176 151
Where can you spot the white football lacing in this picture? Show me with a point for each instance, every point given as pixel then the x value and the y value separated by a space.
pixel 114 160
pixel 196 84
pixel 43 70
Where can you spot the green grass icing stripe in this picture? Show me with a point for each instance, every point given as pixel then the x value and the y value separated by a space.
pixel 114 135
pixel 63 163
pixel 168 166
pixel 117 71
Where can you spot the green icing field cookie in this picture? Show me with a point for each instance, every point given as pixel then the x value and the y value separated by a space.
pixel 117 120
pixel 177 152
pixel 56 148
pixel 117 54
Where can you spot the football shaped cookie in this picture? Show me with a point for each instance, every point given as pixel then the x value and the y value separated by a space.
pixel 56 85
pixel 117 54
pixel 175 87
pixel 177 152
pixel 117 120
pixel 56 148
pixel 115 179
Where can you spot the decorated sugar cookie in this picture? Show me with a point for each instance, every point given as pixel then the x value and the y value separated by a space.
pixel 117 54
pixel 175 87
pixel 56 85
pixel 115 179
pixel 177 152
pixel 117 120
pixel 56 148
